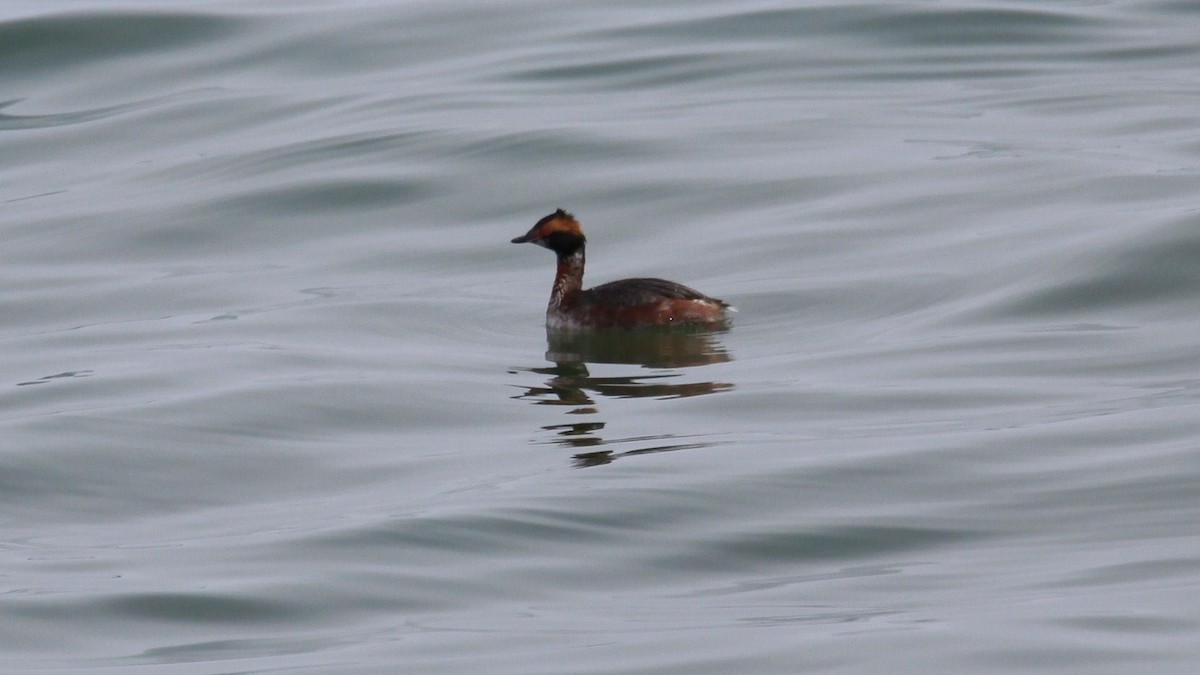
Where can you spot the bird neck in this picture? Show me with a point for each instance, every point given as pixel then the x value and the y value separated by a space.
pixel 568 279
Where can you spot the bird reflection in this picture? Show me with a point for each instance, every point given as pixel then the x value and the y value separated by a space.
pixel 570 384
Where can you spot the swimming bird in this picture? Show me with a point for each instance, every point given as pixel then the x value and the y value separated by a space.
pixel 627 303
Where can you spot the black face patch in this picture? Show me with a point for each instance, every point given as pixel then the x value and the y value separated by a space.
pixel 563 243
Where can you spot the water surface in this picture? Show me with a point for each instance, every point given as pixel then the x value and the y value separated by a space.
pixel 276 395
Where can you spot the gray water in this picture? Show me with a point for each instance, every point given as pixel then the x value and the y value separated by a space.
pixel 276 395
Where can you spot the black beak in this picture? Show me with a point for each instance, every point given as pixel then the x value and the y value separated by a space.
pixel 522 239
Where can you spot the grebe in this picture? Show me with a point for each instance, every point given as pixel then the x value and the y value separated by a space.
pixel 626 303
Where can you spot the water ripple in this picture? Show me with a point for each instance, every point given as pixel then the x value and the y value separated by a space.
pixel 36 45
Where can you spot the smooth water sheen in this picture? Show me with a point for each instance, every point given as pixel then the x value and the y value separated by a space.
pixel 276 395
